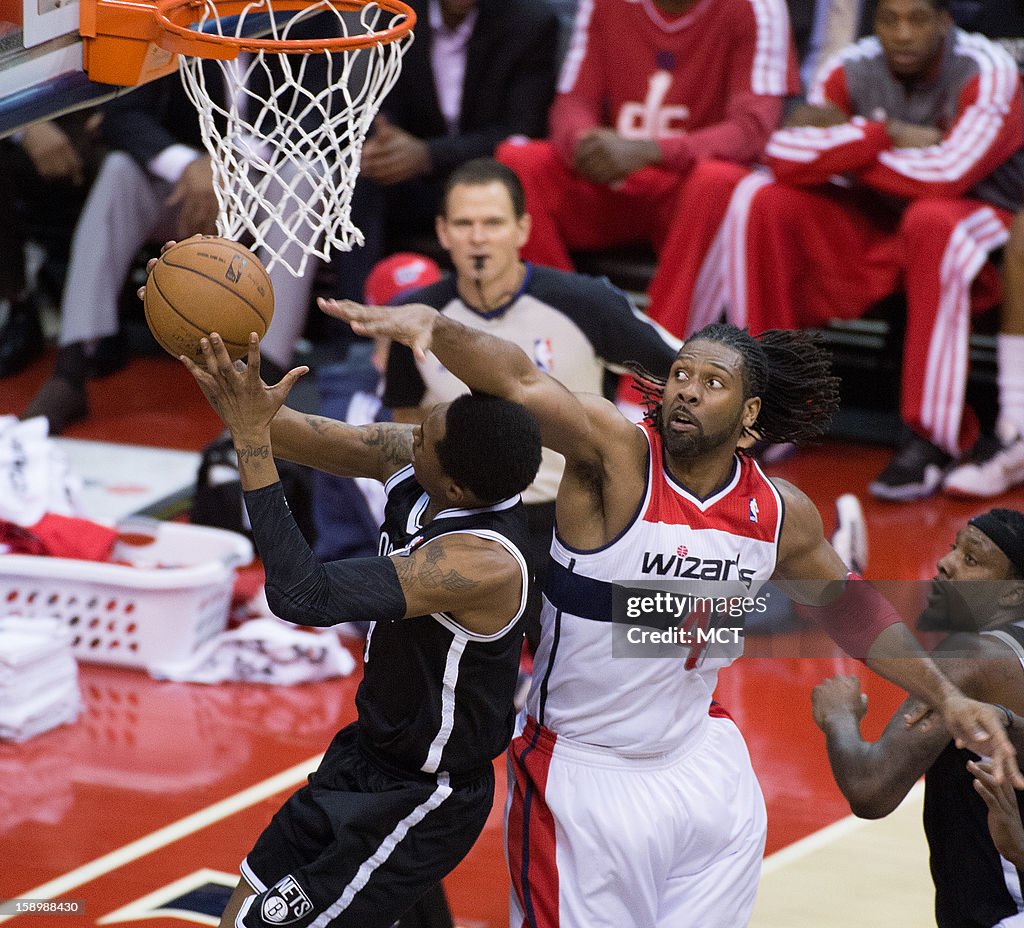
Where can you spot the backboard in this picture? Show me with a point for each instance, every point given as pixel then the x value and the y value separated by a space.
pixel 43 53
pixel 41 72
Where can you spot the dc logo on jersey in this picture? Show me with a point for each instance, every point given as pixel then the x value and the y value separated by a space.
pixel 285 902
pixel 753 509
pixel 653 118
pixel 543 355
pixel 682 550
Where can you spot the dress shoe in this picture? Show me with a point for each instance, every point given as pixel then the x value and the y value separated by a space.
pixel 21 338
pixel 60 401
pixel 111 355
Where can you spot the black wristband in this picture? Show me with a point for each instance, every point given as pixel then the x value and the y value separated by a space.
pixel 1006 712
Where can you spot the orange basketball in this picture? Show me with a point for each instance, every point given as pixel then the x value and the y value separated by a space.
pixel 208 284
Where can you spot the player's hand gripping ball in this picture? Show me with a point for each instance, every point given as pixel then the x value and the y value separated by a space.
pixel 208 284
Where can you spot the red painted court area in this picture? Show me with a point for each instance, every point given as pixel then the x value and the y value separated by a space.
pixel 153 797
pixel 157 793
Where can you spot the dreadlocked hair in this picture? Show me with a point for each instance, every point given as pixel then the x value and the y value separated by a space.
pixel 787 368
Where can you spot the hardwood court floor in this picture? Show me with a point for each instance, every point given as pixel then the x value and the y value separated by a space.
pixel 145 806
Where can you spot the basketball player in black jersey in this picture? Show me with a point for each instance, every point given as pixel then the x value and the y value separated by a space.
pixel 977 596
pixel 401 794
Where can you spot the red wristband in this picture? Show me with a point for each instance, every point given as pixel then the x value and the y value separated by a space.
pixel 856 618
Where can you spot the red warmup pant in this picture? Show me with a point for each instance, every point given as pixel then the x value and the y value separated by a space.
pixel 776 256
pixel 570 213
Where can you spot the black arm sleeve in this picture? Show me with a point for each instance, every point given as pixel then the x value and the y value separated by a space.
pixel 622 333
pixel 619 332
pixel 301 589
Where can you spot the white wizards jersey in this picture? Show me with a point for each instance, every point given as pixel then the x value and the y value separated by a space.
pixel 634 633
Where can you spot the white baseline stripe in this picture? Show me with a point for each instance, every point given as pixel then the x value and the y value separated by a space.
pixel 826 836
pixel 197 821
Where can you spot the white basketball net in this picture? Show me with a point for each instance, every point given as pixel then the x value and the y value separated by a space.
pixel 286 156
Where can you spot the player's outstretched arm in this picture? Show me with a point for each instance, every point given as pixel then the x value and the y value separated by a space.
pixel 245 404
pixel 866 626
pixel 582 431
pixel 376 450
pixel 873 776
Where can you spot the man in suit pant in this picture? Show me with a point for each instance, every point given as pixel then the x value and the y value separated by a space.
pixel 478 72
pixel 155 184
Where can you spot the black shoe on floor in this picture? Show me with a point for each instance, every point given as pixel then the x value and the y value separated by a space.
pixel 61 401
pixel 914 472
pixel 21 338
pixel 110 357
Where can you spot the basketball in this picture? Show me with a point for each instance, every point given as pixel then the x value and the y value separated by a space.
pixel 208 284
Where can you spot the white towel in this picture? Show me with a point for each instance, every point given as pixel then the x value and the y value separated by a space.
pixel 262 651
pixel 35 476
pixel 38 677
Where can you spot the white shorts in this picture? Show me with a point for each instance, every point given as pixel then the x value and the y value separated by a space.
pixel 596 839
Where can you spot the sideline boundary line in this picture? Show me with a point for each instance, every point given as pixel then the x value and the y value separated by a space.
pixel 170 833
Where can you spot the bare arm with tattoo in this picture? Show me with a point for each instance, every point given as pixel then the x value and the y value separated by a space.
pixel 476 580
pixel 376 450
pixel 263 428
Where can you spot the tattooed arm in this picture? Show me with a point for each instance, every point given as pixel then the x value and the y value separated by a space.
pixel 257 420
pixel 473 579
pixel 376 450
pixel 476 581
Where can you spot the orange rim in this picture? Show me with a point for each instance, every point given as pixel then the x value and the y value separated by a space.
pixel 175 16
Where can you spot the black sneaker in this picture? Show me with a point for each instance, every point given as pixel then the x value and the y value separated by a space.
pixel 914 472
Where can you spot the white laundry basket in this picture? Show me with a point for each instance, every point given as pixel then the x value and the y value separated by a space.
pixel 176 596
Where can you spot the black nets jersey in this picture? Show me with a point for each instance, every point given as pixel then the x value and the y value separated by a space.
pixel 974 886
pixel 435 697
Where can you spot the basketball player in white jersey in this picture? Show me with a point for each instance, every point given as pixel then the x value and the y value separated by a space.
pixel 633 799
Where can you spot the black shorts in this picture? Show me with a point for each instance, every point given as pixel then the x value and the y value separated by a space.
pixel 360 844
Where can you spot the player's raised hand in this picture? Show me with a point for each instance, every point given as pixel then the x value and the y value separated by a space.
pixel 978 727
pixel 412 325
pixel 243 401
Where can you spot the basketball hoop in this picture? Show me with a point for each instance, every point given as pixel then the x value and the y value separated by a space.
pixel 285 150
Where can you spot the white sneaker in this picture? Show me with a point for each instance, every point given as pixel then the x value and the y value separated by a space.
pixel 851 535
pixel 995 465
